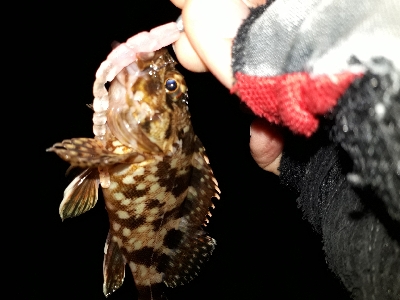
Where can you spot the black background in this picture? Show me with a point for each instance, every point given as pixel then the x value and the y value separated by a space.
pixel 264 248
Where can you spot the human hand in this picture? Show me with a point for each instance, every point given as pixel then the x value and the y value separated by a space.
pixel 206 45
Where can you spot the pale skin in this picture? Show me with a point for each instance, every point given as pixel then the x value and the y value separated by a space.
pixel 205 45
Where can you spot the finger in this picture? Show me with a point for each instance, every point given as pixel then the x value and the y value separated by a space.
pixel 210 26
pixel 178 3
pixel 266 145
pixel 249 3
pixel 186 55
pixel 254 3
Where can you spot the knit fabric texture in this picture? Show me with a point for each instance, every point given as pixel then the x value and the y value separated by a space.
pixel 295 99
pixel 292 60
pixel 367 126
pixel 347 172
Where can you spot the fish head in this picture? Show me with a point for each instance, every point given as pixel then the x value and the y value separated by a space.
pixel 148 104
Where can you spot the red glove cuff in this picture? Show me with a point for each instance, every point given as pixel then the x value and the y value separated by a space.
pixel 293 99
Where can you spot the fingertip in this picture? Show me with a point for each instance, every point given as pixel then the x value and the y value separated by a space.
pixel 178 3
pixel 266 145
pixel 254 3
pixel 210 26
pixel 186 55
pixel 219 18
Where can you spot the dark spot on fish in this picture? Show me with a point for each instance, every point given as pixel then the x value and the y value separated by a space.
pixel 133 222
pixel 169 101
pixel 168 179
pixel 197 174
pixel 166 175
pixel 140 178
pixel 153 86
pixel 133 193
pixel 154 291
pixel 173 238
pixel 163 167
pixel 143 256
pixel 163 261
pixel 157 223
pixel 188 142
pixel 187 207
pixel 173 214
pixel 146 126
pixel 168 131
pixel 181 134
pixel 181 184
pixel 152 203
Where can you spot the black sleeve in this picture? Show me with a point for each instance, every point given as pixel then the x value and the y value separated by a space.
pixel 348 192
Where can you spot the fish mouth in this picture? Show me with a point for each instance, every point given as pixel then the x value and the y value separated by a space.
pixel 127 113
pixel 135 101
pixel 126 124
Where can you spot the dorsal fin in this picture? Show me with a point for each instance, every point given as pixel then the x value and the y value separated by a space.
pixel 203 187
pixel 195 246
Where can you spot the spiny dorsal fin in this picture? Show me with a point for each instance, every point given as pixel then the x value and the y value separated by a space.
pixel 203 187
pixel 195 247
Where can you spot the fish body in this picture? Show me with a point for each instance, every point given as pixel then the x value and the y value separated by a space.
pixel 156 180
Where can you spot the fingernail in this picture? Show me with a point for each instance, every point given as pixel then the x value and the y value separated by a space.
pixel 179 23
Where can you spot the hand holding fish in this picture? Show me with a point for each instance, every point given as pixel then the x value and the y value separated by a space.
pixel 210 27
pixel 123 55
pixel 206 45
pixel 295 62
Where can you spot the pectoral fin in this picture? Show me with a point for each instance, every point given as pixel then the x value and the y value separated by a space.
pixel 86 153
pixel 81 194
pixel 113 267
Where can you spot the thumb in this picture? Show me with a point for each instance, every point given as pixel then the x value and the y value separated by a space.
pixel 210 26
pixel 266 145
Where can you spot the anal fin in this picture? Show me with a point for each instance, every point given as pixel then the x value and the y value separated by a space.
pixel 113 267
pixel 193 252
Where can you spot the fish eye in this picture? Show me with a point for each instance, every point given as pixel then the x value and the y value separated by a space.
pixel 171 85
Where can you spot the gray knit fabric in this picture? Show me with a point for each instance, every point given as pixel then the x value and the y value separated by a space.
pixel 319 36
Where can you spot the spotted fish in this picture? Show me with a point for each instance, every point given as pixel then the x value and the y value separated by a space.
pixel 155 176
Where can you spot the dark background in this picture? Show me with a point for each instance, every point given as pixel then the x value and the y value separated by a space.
pixel 264 248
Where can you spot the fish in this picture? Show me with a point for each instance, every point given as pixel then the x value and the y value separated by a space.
pixel 157 184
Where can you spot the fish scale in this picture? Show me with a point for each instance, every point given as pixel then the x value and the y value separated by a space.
pixel 155 177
